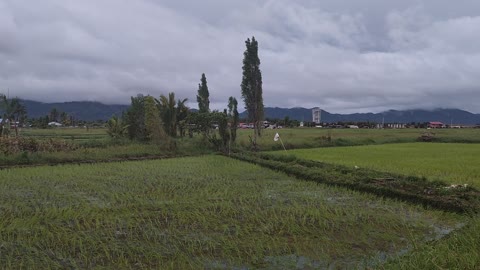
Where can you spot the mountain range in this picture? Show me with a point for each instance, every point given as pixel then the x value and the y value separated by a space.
pixel 81 110
pixel 447 116
pixel 91 111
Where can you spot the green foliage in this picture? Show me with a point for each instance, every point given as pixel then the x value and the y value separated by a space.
pixel 182 114
pixel 12 111
pixel 135 119
pixel 115 128
pixel 168 113
pixel 171 115
pixel 53 116
pixel 200 123
pixel 153 124
pixel 252 87
pixel 207 125
pixel 233 118
pixel 223 130
pixel 65 119
pixel 203 96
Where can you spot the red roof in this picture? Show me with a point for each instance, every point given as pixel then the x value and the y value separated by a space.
pixel 436 123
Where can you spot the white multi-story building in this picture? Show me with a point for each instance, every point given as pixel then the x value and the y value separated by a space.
pixel 316 115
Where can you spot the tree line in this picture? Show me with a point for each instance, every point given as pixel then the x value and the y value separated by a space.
pixel 159 121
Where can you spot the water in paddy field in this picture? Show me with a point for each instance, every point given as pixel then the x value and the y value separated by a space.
pixel 293 261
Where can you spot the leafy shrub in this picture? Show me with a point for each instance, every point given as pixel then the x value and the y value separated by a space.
pixel 426 137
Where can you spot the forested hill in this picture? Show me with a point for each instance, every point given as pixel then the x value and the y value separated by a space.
pixel 82 110
pixel 91 111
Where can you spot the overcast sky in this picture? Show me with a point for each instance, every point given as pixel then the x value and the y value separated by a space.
pixel 341 55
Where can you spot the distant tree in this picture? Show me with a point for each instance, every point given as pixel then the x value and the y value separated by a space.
pixel 153 124
pixel 135 119
pixel 286 121
pixel 54 115
pixel 294 123
pixel 72 120
pixel 204 123
pixel 223 130
pixel 203 96
pixel 168 113
pixel 252 87
pixel 64 119
pixel 200 123
pixel 40 122
pixel 12 112
pixel 233 117
pixel 44 121
pixel 115 128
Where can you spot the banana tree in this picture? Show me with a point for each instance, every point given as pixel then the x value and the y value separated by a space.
pixel 12 112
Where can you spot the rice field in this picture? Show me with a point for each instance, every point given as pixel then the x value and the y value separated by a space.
pixel 79 134
pixel 204 212
pixel 292 138
pixel 453 163
pixel 319 137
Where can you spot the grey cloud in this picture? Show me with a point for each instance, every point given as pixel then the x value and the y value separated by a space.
pixel 344 56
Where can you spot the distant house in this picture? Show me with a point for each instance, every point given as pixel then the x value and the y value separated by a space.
pixel 436 125
pixel 245 125
pixel 54 124
pixel 396 125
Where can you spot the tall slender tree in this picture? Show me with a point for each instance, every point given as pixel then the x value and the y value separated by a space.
pixel 203 96
pixel 233 117
pixel 252 87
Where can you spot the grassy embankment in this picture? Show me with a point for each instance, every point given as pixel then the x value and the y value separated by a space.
pixel 204 212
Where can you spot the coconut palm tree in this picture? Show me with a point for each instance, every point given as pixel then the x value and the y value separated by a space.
pixel 182 113
pixel 168 113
